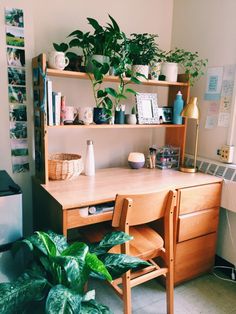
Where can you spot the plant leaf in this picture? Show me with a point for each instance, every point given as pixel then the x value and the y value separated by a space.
pixel 118 264
pixel 77 249
pixel 105 68
pixel 129 90
pixel 48 243
pixel 97 266
pixel 77 33
pixel 62 300
pixel 93 307
pixel 109 240
pixel 111 91
pixel 16 295
pixel 134 80
pixel 59 240
pixel 60 47
pixel 90 295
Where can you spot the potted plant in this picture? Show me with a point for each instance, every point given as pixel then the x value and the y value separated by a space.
pixel 131 118
pixel 190 61
pixel 56 280
pixel 142 49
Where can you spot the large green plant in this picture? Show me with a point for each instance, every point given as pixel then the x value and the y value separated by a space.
pixel 143 48
pixel 193 65
pixel 59 274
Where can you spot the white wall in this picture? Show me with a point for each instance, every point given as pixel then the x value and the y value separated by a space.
pixel 209 28
pixel 51 21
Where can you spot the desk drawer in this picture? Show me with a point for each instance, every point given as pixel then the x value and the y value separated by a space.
pixel 74 219
pixel 197 224
pixel 194 257
pixel 200 197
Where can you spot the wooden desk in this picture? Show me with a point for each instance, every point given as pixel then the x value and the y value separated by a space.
pixel 56 206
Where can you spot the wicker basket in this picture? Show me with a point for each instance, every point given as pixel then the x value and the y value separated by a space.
pixel 64 166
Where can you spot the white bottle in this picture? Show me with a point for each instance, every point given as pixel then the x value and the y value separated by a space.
pixel 90 162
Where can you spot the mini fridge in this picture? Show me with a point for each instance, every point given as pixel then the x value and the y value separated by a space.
pixel 10 227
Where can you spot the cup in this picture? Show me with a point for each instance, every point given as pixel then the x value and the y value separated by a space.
pixel 57 60
pixel 86 115
pixel 69 114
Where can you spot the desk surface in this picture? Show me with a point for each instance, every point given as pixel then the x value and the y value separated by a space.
pixel 103 187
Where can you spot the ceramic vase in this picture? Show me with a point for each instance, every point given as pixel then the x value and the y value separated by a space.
pixel 142 69
pixel 170 70
pixel 130 119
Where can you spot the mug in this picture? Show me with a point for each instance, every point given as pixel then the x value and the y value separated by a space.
pixel 57 60
pixel 86 115
pixel 69 114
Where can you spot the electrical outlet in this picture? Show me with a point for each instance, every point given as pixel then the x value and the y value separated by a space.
pixel 227 153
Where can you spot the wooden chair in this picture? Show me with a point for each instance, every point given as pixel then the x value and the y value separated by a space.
pixel 131 215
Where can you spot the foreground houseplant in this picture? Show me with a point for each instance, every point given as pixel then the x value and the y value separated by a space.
pixel 58 276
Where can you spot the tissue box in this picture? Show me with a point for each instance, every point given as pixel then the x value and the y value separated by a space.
pixel 168 157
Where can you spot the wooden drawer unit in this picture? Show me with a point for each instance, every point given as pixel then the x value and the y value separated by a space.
pixel 197 224
pixel 194 257
pixel 199 197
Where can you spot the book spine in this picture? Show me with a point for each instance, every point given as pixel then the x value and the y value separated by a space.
pixel 56 97
pixel 49 104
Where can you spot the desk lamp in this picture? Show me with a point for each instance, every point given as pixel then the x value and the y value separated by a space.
pixel 191 111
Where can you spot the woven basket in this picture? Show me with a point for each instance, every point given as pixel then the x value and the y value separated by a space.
pixel 64 166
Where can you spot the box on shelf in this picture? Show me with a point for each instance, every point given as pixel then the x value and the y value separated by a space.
pixel 168 157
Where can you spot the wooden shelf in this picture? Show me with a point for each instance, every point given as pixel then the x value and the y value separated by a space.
pixel 109 78
pixel 118 126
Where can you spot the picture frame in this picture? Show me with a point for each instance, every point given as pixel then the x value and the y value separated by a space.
pixel 147 108
pixel 166 114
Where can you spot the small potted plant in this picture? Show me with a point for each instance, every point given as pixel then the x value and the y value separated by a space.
pixel 131 118
pixel 192 64
pixel 142 49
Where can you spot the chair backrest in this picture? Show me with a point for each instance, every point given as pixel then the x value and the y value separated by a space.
pixel 141 208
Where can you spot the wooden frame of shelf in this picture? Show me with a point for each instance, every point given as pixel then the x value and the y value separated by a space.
pixel 174 135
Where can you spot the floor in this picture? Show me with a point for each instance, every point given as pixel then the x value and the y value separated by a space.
pixel 204 295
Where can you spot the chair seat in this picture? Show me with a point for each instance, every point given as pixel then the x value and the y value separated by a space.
pixel 146 243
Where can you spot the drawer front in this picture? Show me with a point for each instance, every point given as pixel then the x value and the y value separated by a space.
pixel 74 218
pixel 194 257
pixel 199 197
pixel 197 224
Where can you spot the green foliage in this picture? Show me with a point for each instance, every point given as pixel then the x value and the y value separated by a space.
pixel 143 48
pixel 193 65
pixel 59 273
pixel 133 110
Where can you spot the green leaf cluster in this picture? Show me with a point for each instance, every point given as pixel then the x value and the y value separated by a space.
pixel 59 273
pixel 193 65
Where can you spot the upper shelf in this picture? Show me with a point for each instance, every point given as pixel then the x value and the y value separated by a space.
pixel 119 126
pixel 109 78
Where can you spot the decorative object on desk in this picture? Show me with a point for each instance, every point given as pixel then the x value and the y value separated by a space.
pixel 90 160
pixel 60 281
pixel 57 60
pixel 86 115
pixel 120 115
pixel 178 107
pixel 136 160
pixel 152 157
pixel 191 111
pixel 143 49
pixel 147 108
pixel 63 166
pixel 131 118
pixel 167 157
pixel 191 63
pixel 166 113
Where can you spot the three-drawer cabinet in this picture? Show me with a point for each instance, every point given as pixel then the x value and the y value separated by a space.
pixel 196 230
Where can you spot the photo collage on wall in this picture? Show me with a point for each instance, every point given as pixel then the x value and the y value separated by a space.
pixel 15 53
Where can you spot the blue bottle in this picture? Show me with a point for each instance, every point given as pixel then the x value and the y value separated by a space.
pixel 178 107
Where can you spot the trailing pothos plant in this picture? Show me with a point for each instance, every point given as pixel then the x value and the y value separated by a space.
pixel 58 276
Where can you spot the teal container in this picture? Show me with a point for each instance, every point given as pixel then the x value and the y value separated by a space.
pixel 178 107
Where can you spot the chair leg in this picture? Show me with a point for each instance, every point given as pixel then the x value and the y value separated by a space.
pixel 126 293
pixel 170 289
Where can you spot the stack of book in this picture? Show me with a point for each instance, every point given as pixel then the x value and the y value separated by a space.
pixel 55 106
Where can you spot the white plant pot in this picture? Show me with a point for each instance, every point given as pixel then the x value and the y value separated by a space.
pixel 142 69
pixel 99 58
pixel 170 70
pixel 130 119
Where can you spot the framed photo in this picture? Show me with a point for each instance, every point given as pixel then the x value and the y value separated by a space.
pixel 147 108
pixel 166 114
